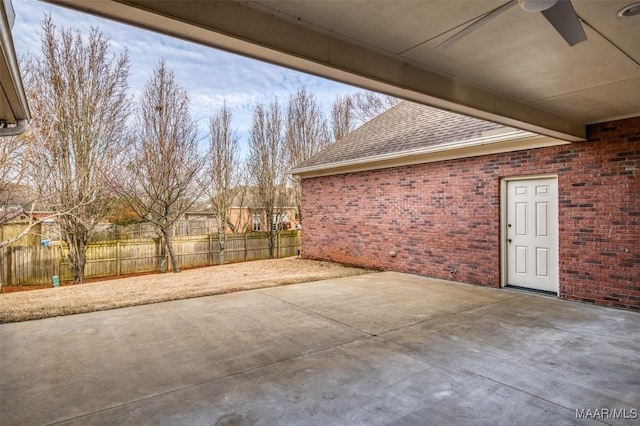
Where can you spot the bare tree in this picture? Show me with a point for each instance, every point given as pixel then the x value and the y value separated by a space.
pixel 342 118
pixel 240 221
pixel 15 152
pixel 163 161
pixel 307 133
pixel 78 95
pixel 366 105
pixel 351 111
pixel 17 197
pixel 267 166
pixel 20 194
pixel 222 172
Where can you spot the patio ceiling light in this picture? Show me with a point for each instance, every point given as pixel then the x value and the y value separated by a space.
pixel 629 11
pixel 536 5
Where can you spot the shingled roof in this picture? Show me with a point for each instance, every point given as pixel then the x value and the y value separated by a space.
pixel 403 127
pixel 406 129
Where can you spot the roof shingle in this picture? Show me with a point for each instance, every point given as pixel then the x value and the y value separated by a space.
pixel 404 127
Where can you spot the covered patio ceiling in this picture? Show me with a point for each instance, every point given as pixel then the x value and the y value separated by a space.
pixel 516 69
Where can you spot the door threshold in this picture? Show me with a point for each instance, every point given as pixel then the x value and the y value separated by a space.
pixel 532 290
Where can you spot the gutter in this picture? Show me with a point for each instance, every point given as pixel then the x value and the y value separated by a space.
pixel 20 127
pixel 511 141
pixel 12 86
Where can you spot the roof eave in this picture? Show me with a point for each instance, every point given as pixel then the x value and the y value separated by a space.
pixel 13 95
pixel 507 142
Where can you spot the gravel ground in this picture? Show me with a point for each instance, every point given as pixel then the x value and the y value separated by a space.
pixel 140 290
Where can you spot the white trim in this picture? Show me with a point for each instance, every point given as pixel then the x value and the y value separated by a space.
pixel 614 118
pixel 503 223
pixel 507 142
pixel 12 85
pixel 14 93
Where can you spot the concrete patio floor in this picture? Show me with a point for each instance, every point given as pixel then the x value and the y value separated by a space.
pixel 385 348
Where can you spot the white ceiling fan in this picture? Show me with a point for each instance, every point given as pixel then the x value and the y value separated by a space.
pixel 560 14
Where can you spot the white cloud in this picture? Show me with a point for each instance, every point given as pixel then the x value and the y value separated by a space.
pixel 211 77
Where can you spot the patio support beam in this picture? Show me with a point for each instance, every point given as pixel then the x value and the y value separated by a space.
pixel 248 31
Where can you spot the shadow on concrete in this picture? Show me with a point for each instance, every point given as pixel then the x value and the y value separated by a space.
pixel 383 348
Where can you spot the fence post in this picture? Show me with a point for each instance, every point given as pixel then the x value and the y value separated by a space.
pixel 210 254
pixel 118 258
pixel 3 269
pixel 57 258
pixel 9 264
pixel 245 246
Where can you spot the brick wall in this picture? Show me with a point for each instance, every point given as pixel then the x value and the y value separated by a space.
pixel 443 219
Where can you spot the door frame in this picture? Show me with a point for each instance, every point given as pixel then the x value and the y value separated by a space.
pixel 503 222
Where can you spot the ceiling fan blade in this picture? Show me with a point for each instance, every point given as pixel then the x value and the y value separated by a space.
pixel 477 24
pixel 564 19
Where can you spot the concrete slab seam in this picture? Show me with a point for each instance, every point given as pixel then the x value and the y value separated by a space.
pixel 222 377
pixel 311 311
pixel 571 410
pixel 446 315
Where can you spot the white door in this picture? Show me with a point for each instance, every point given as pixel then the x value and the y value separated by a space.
pixel 532 233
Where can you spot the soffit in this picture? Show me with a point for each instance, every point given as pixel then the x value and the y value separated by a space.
pixel 517 55
pixel 14 110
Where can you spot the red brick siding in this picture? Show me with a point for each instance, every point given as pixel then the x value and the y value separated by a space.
pixel 443 219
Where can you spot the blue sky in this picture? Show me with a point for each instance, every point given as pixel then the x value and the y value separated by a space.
pixel 209 76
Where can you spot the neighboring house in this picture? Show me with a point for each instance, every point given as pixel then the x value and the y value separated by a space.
pixel 21 210
pixel 14 221
pixel 425 191
pixel 246 214
pixel 198 220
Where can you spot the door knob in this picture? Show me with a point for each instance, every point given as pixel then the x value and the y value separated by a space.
pixel 508 240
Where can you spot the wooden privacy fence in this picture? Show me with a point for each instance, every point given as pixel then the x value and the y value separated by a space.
pixel 36 265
